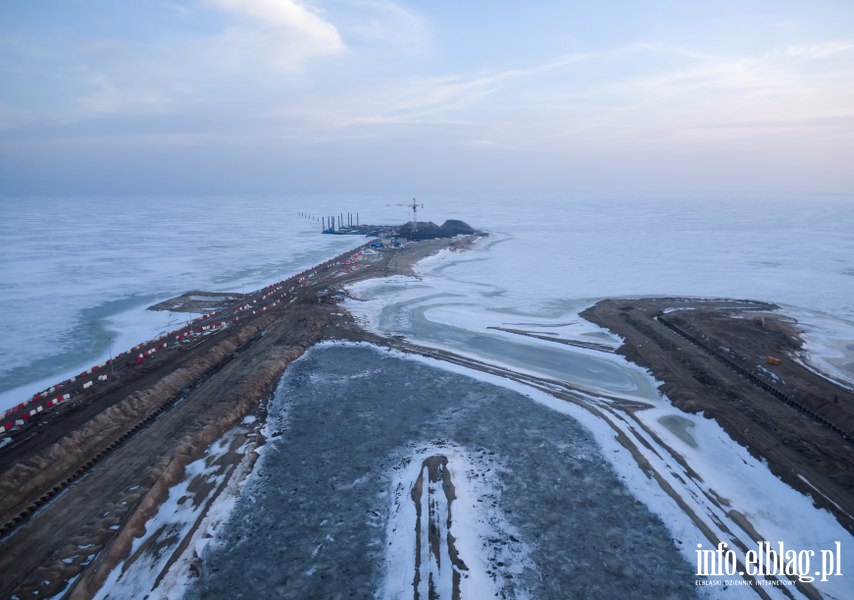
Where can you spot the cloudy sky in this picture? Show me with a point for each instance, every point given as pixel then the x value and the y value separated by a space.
pixel 380 96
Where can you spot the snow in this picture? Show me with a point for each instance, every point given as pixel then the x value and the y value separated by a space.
pixel 180 512
pixel 829 344
pixel 473 524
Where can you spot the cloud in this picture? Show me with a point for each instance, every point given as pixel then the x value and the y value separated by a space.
pixel 251 51
pixel 384 24
pixel 371 80
pixel 288 23
pixel 797 82
pixel 617 98
pixel 110 99
pixel 449 99
pixel 178 9
pixel 818 50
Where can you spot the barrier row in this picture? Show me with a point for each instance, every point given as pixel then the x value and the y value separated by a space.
pixel 18 415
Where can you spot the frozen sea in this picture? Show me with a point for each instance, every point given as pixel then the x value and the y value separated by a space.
pixel 572 530
pixel 77 274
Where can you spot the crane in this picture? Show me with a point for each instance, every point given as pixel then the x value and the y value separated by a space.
pixel 414 208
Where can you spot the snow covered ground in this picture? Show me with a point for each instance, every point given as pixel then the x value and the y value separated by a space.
pixel 193 510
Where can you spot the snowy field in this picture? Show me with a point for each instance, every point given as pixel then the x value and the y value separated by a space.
pixel 77 276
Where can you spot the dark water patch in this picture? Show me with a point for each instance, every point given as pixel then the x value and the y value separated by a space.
pixel 310 523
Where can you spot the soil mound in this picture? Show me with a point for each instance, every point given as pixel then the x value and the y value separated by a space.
pixel 427 230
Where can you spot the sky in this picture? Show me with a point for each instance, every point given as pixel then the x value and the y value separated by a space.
pixel 404 97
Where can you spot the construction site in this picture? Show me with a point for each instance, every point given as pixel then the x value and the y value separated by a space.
pixel 741 363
